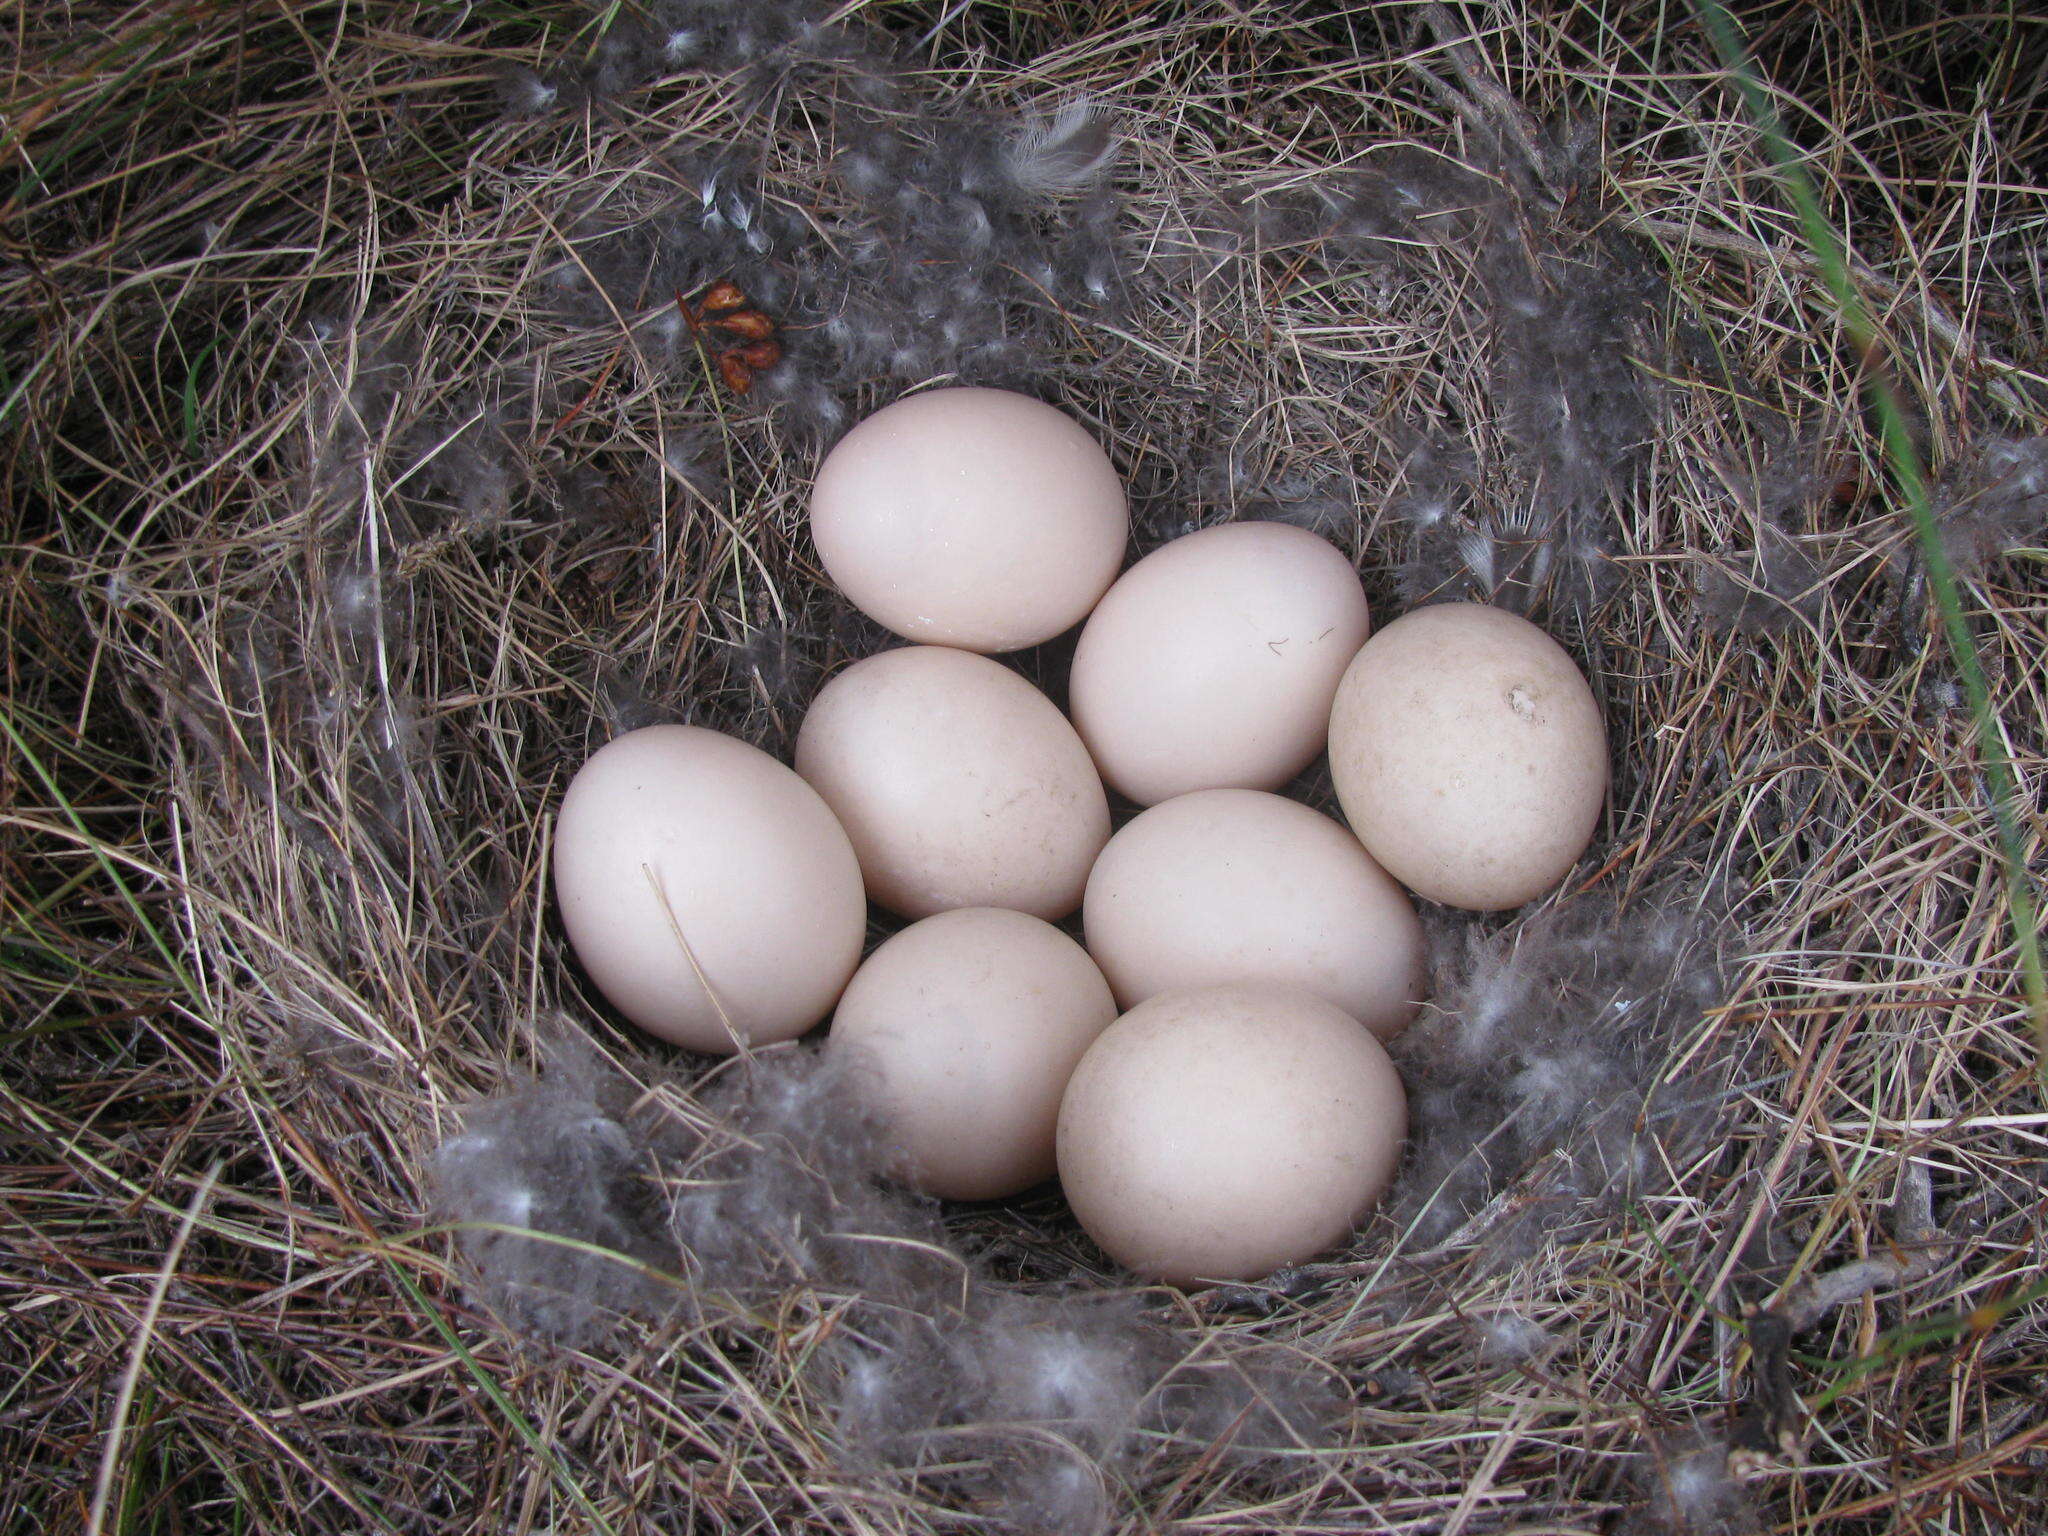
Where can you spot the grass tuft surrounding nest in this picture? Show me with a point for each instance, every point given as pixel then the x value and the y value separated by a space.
pixel 378 440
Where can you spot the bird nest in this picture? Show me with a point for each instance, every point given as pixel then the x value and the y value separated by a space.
pixel 400 399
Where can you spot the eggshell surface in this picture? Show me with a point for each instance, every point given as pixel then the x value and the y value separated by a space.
pixel 1469 755
pixel 975 518
pixel 1229 885
pixel 1216 1134
pixel 964 1028
pixel 708 891
pixel 960 784
pixel 1213 660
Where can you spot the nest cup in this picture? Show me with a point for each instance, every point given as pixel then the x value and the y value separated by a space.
pixel 401 401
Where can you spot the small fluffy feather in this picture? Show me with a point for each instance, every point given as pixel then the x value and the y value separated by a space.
pixel 555 1158
pixel 1993 501
pixel 787 1190
pixel 1547 1046
pixel 1511 1338
pixel 524 93
pixel 625 701
pixel 1689 1490
pixel 1568 306
pixel 1763 591
pixel 1316 493
pixel 951 241
pixel 1043 1403
pixel 1062 155
pixel 1774 484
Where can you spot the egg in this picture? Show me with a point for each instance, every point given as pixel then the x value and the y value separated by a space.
pixel 1219 1133
pixel 708 891
pixel 964 1029
pixel 974 518
pixel 1231 885
pixel 960 784
pixel 1469 755
pixel 1212 661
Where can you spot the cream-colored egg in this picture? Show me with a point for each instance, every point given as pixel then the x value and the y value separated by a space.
pixel 965 1028
pixel 974 518
pixel 960 784
pixel 1469 755
pixel 708 891
pixel 1220 1133
pixel 1213 660
pixel 1231 885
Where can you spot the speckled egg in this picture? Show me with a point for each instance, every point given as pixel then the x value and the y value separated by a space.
pixel 1469 755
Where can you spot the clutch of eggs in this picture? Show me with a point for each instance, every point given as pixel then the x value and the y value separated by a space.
pixel 1241 1113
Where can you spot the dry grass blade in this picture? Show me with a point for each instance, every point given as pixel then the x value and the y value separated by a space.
pixel 124 1400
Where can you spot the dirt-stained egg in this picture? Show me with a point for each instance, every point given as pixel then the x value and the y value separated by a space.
pixel 964 1029
pixel 1469 755
pixel 1212 661
pixel 1220 1133
pixel 1231 885
pixel 709 892
pixel 960 784
pixel 975 518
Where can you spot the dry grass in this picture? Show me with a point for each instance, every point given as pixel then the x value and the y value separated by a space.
pixel 336 536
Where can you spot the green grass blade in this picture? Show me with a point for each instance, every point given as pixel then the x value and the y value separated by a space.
pixel 488 1385
pixel 1831 260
